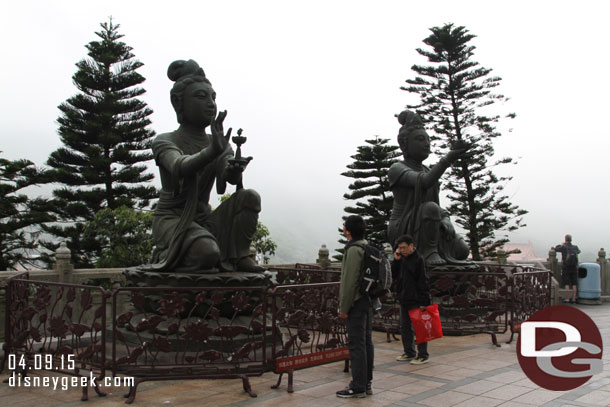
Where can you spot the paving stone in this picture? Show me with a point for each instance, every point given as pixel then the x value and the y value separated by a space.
pixel 445 399
pixel 507 392
pixel 596 397
pixel 539 397
pixel 479 387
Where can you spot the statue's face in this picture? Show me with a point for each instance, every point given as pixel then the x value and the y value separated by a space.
pixel 418 145
pixel 199 104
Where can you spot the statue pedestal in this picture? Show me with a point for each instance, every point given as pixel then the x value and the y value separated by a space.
pixel 136 277
pixel 454 268
pixel 189 286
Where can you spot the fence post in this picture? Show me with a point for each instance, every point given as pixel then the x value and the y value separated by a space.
pixel 604 270
pixel 554 264
pixel 501 255
pixel 323 257
pixel 62 263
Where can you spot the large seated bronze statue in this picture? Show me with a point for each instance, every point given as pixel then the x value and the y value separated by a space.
pixel 189 236
pixel 416 209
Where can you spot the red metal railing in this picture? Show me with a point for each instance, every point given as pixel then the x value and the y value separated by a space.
pixel 171 333
pixel 307 330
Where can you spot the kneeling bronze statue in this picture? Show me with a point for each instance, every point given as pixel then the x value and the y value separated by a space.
pixel 189 236
pixel 416 209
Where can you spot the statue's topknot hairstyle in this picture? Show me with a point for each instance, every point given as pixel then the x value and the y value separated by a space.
pixel 409 121
pixel 183 73
pixel 181 69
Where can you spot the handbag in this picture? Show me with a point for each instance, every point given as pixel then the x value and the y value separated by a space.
pixel 426 324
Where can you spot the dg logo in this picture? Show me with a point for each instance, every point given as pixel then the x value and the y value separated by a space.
pixel 560 348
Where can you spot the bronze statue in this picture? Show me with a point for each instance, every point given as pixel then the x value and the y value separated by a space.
pixel 416 209
pixel 189 236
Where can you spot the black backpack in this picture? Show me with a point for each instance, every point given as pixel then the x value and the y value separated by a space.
pixel 571 257
pixel 376 276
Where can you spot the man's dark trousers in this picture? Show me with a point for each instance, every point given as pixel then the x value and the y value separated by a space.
pixel 407 334
pixel 361 353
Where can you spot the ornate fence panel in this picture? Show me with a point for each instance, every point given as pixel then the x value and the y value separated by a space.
pixel 307 330
pixel 387 319
pixel 15 327
pixel 56 327
pixel 191 332
pixel 472 302
pixel 171 333
pixel 530 292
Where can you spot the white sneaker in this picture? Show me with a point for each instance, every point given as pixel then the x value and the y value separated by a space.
pixel 419 361
pixel 405 358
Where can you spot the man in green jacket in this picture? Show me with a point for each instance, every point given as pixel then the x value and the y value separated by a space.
pixel 356 309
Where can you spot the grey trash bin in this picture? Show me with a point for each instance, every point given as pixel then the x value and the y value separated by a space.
pixel 589 281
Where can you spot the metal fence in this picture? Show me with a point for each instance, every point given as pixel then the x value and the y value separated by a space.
pixel 188 333
pixel 307 330
pixel 530 293
pixel 175 333
pixel 488 301
pixel 57 327
pixel 171 333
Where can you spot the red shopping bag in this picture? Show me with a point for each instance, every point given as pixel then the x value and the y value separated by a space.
pixel 426 324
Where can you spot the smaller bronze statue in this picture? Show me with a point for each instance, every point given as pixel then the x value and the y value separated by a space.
pixel 416 209
pixel 189 236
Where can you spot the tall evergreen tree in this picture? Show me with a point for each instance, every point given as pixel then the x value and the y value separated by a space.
pixel 106 140
pixel 20 215
pixel 370 189
pixel 124 234
pixel 454 93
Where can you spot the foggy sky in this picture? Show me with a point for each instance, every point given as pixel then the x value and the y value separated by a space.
pixel 310 81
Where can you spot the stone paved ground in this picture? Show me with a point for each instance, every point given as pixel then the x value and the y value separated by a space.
pixel 463 372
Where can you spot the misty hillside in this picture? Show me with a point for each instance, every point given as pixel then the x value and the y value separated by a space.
pixel 299 246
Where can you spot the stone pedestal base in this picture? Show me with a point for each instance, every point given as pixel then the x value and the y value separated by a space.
pixel 135 277
pixel 188 286
pixel 453 268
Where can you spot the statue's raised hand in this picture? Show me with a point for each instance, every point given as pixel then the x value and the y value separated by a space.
pixel 219 139
pixel 459 150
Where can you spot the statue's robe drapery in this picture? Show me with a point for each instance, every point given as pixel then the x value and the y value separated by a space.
pixel 406 216
pixel 416 206
pixel 183 213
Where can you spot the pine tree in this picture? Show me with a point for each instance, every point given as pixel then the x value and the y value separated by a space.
pixel 105 140
pixel 124 235
pixel 20 215
pixel 455 94
pixel 370 188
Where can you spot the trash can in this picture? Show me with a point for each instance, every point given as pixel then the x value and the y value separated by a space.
pixel 589 281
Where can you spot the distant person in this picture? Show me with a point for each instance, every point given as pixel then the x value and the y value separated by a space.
pixel 569 265
pixel 356 309
pixel 409 272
